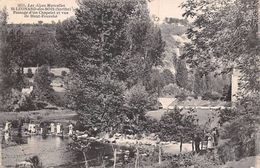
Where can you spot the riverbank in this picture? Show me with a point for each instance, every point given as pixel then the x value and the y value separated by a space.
pixel 59 115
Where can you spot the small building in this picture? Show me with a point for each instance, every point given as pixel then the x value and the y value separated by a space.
pixel 167 103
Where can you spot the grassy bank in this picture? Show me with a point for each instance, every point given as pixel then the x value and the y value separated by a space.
pixel 39 115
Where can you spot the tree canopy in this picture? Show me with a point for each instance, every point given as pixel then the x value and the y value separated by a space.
pixel 114 45
pixel 223 37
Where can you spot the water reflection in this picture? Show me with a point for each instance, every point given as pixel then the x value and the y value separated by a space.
pixel 52 151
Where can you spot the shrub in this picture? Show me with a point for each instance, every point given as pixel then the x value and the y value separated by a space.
pixel 209 160
pixel 171 89
pixel 241 134
pixel 25 104
pixel 211 96
pixel 182 96
pixel 226 115
pixel 11 102
pixel 63 73
pixel 39 105
pixel 59 99
pixel 226 93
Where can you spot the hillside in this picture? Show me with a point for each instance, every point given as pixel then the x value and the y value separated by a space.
pixel 173 33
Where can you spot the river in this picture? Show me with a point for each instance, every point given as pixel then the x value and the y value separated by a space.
pixel 52 151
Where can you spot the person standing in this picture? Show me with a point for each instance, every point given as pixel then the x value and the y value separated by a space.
pixel 210 142
pixel 215 136
pixel 197 141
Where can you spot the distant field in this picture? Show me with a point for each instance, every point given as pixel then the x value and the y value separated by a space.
pixel 202 114
pixel 40 115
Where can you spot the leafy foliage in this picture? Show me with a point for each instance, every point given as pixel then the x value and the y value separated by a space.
pixel 224 37
pixel 42 89
pixel 241 125
pixel 177 125
pixel 171 90
pixel 113 46
pixel 168 76
pixel 211 96
pixel 182 74
pixel 156 82
pixel 182 95
pixel 137 101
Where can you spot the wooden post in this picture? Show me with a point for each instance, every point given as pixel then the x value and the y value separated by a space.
pixel 192 145
pixel 137 158
pixel 85 158
pixel 1 149
pixel 181 145
pixel 114 159
pixel 160 154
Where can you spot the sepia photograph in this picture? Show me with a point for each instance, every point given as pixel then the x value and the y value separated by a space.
pixel 129 84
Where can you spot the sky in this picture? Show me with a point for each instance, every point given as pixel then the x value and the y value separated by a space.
pixel 166 8
pixel 159 8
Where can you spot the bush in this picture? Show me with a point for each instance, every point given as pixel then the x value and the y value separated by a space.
pixel 40 105
pixel 171 90
pixel 226 115
pixel 209 160
pixel 182 96
pixel 63 73
pixel 241 135
pixel 211 96
pixel 60 99
pixel 226 152
pixel 25 104
pixel 226 93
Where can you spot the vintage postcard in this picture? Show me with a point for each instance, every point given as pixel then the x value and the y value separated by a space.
pixel 129 84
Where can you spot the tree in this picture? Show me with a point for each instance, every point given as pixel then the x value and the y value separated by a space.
pixel 6 66
pixel 137 102
pixel 241 125
pixel 168 76
pixel 171 90
pixel 155 83
pixel 223 37
pixel 113 45
pixel 182 74
pixel 42 89
pixel 178 125
pixel 197 85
